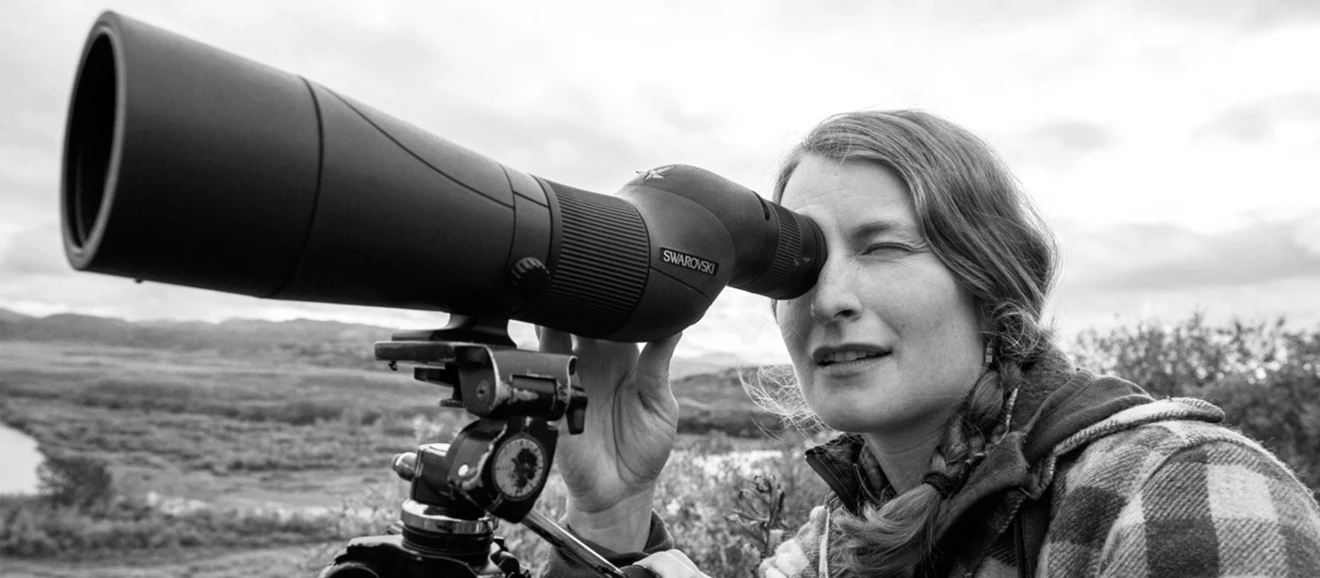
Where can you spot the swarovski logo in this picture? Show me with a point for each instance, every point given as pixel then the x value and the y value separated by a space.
pixel 686 261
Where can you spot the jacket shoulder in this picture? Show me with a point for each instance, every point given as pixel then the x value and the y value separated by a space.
pixel 1175 418
pixel 1165 489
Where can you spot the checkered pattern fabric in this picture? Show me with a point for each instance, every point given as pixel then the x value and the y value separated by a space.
pixel 1180 498
pixel 1144 493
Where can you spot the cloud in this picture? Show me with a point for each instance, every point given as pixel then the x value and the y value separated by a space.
pixel 1162 257
pixel 1072 136
pixel 38 51
pixel 1262 120
pixel 36 251
pixel 1292 299
pixel 1237 15
pixel 1252 16
pixel 1060 144
pixel 1307 235
pixel 1117 275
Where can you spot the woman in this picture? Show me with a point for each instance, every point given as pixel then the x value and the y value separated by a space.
pixel 971 446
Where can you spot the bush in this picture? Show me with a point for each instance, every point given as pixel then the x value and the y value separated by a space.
pixel 36 528
pixel 1284 414
pixel 1265 376
pixel 1186 357
pixel 706 481
pixel 75 481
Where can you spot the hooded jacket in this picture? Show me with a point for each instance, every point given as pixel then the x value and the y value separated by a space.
pixel 1094 478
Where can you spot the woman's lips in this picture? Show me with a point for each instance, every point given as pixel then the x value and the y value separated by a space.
pixel 846 352
pixel 848 356
pixel 847 365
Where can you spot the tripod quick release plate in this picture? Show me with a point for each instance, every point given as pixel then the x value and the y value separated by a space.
pixel 497 382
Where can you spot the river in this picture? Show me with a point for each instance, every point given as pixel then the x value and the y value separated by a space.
pixel 19 459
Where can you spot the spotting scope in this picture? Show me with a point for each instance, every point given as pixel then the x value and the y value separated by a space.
pixel 188 165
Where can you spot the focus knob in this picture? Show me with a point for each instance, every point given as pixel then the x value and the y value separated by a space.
pixel 405 465
pixel 529 276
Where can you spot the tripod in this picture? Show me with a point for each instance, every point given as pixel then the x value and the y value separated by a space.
pixel 493 469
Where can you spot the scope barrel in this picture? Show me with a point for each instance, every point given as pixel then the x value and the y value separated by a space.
pixel 188 165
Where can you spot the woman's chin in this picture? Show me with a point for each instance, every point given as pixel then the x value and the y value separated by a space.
pixel 855 407
pixel 855 419
pixel 871 415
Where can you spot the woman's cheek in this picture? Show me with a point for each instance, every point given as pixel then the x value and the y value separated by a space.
pixel 793 325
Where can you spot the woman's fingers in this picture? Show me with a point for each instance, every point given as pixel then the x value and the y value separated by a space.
pixel 652 379
pixel 604 366
pixel 618 354
pixel 653 362
pixel 671 564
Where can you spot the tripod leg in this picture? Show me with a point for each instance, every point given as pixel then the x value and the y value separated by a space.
pixel 570 545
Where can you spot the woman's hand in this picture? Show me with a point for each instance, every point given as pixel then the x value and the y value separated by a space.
pixel 631 426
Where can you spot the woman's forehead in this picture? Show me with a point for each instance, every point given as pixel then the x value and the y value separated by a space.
pixel 848 192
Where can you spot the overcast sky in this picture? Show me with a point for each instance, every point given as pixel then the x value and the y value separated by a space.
pixel 1173 144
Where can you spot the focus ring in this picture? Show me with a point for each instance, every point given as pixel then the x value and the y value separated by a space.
pixel 787 253
pixel 601 266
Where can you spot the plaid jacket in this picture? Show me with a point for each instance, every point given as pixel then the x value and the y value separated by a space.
pixel 1154 490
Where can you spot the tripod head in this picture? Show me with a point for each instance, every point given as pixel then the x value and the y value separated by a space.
pixel 493 469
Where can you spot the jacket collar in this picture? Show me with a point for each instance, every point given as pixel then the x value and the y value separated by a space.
pixel 850 471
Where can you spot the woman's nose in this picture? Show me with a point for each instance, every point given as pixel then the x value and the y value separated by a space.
pixel 834 298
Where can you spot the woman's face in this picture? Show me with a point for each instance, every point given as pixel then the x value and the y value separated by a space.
pixel 886 341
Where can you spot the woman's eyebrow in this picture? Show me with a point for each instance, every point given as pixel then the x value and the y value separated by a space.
pixel 873 228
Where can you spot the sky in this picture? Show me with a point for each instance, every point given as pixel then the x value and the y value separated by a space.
pixel 1171 144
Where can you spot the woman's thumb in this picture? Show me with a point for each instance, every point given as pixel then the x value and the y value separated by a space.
pixel 653 363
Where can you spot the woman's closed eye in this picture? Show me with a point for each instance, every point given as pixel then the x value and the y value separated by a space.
pixel 888 249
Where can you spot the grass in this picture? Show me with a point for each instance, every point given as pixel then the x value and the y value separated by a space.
pixel 191 417
pixel 33 528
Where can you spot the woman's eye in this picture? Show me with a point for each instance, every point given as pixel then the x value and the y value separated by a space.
pixel 887 249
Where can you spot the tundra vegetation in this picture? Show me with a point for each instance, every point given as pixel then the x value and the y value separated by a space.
pixel 259 452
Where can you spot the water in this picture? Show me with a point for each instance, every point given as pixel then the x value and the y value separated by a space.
pixel 745 462
pixel 19 459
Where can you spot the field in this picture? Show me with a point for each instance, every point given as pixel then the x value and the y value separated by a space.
pixel 203 462
pixel 173 463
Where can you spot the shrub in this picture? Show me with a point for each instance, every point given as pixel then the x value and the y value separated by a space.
pixel 36 528
pixel 1265 376
pixel 74 481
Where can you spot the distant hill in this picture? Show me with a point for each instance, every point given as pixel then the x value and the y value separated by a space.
pixel 320 342
pixel 716 401
pixel 7 315
pixel 329 343
pixel 705 363
pixel 708 389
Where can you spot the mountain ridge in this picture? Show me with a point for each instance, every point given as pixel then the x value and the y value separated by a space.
pixel 319 342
